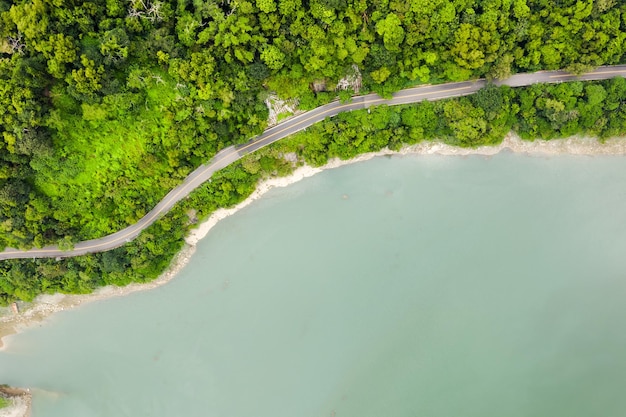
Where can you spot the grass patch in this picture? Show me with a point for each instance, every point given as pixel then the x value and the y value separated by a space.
pixel 107 153
pixel 4 402
pixel 283 116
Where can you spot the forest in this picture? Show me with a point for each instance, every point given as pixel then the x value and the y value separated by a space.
pixel 106 105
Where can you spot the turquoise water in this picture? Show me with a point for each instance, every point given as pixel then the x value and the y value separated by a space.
pixel 406 286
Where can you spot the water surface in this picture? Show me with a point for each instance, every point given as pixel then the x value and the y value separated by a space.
pixel 406 286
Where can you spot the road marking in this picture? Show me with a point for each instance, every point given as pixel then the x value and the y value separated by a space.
pixel 588 74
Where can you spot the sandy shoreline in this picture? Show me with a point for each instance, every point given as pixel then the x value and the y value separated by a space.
pixel 46 305
pixel 570 146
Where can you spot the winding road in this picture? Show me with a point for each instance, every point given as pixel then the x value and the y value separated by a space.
pixel 231 154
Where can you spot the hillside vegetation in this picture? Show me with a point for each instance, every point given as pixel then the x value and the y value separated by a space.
pixel 105 105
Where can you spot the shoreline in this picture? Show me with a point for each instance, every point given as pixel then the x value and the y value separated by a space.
pixel 45 306
pixel 584 146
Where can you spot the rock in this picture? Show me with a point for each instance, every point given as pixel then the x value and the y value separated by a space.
pixel 20 402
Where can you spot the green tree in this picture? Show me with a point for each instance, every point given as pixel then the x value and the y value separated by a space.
pixel 266 6
pixel 390 28
pixel 114 46
pixel 273 57
pixel 87 80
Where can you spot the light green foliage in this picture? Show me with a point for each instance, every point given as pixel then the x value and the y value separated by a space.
pixel 520 9
pixel 273 57
pixel 186 28
pixel 392 32
pixel 87 80
pixel 467 123
pixel 266 6
pixel 30 18
pixel 471 46
pixel 323 11
pixel 380 75
pixel 289 7
pixel 596 94
pixel 114 46
pixel 59 51
pixel 4 402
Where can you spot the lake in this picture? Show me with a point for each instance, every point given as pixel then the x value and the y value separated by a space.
pixel 403 286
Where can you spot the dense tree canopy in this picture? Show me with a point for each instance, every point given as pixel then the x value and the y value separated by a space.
pixel 105 105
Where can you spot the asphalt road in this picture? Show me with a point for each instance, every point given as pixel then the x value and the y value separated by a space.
pixel 289 127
